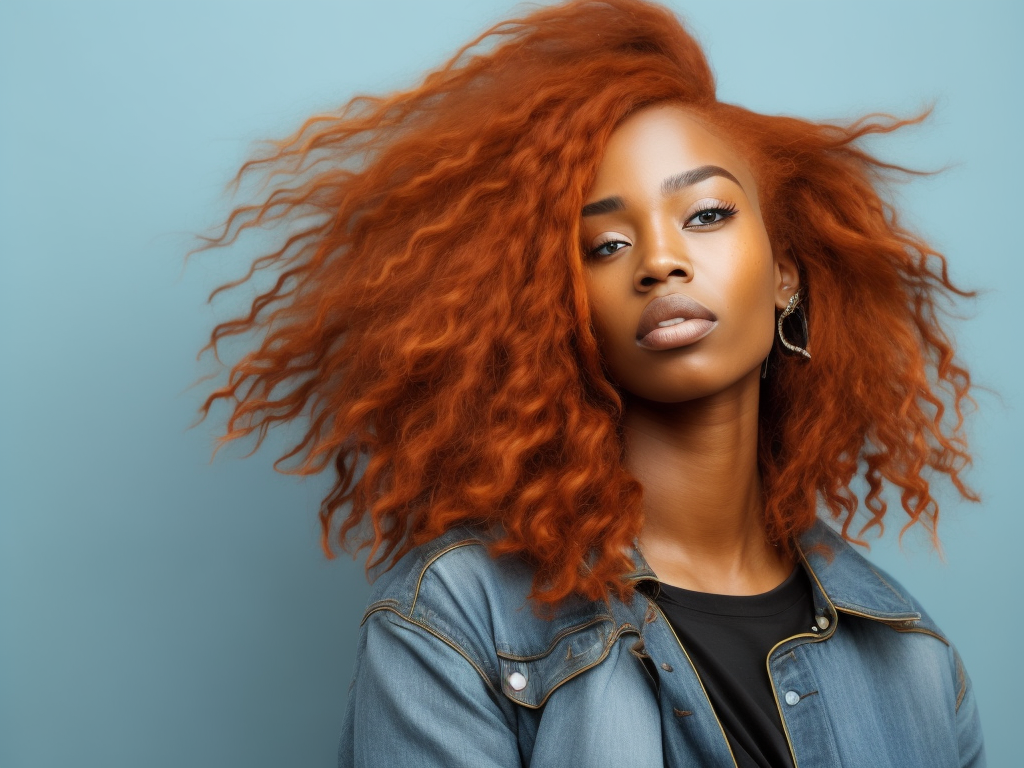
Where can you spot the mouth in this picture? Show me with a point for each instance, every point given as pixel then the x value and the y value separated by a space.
pixel 672 321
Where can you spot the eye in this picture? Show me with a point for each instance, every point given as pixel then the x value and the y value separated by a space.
pixel 709 217
pixel 608 248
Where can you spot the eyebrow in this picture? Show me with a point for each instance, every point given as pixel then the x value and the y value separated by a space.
pixel 668 186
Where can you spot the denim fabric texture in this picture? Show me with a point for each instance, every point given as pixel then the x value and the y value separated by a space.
pixel 455 670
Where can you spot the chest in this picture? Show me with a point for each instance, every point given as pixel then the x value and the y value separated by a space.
pixel 859 693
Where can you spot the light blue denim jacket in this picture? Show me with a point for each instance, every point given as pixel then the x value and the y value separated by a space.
pixel 455 670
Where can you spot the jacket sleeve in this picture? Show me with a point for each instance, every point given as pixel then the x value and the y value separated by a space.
pixel 418 702
pixel 968 722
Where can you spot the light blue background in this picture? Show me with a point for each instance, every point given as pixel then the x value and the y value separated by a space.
pixel 157 609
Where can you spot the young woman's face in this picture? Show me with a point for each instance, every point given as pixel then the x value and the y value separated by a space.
pixel 681 277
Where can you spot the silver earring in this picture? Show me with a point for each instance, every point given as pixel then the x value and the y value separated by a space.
pixel 794 308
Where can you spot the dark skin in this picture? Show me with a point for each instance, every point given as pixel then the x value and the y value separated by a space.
pixel 691 411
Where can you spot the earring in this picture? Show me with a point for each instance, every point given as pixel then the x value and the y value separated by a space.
pixel 798 326
pixel 764 366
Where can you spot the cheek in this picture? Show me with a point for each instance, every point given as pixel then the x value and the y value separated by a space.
pixel 607 331
pixel 602 299
pixel 748 280
pixel 598 314
pixel 614 339
pixel 747 298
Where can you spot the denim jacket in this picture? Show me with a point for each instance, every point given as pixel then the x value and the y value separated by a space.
pixel 455 670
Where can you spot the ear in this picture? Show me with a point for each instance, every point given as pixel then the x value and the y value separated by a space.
pixel 787 279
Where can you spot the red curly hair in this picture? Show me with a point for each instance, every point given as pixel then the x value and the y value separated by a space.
pixel 430 315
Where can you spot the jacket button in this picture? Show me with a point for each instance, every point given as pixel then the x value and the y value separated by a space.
pixel 517 681
pixel 792 697
pixel 822 621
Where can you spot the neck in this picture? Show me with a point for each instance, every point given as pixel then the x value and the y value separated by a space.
pixel 697 461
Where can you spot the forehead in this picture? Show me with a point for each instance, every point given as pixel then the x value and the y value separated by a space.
pixel 661 140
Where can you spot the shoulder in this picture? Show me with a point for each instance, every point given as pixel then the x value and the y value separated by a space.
pixel 860 588
pixel 452 586
pixel 453 589
pixel 856 585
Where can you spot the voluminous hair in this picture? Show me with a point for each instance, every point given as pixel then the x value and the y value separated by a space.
pixel 430 316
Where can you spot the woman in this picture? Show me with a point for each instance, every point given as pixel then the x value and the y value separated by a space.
pixel 588 349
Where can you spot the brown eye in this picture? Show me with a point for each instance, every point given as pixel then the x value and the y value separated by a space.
pixel 709 217
pixel 607 249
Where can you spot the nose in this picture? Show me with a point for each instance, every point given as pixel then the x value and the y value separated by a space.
pixel 663 257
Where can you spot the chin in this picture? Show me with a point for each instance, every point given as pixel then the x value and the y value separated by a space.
pixel 686 386
pixel 673 392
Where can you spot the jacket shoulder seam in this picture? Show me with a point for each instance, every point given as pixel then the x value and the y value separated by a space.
pixel 388 602
pixel 961 678
pixel 433 558
pixel 440 636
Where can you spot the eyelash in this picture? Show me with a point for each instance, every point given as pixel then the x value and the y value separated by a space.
pixel 725 210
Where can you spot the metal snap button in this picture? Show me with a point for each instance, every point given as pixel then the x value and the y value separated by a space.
pixel 822 621
pixel 517 681
pixel 792 697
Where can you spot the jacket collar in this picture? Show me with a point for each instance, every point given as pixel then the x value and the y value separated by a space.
pixel 840 576
pixel 849 580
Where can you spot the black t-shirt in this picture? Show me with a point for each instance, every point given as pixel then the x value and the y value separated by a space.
pixel 728 638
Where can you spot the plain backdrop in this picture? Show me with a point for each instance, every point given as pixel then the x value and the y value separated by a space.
pixel 159 609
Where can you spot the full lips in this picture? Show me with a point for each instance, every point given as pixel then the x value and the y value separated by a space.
pixel 697 322
pixel 678 335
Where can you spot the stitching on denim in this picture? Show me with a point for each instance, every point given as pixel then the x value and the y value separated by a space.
pixel 892 589
pixel 385 603
pixel 555 641
pixel 431 561
pixel 869 612
pixel 817 581
pixel 447 641
pixel 961 678
pixel 809 693
pixel 700 682
pixel 860 610
pixel 830 740
pixel 613 638
pixel 681 712
pixel 921 631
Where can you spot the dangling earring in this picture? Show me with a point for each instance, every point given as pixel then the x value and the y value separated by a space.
pixel 764 366
pixel 798 326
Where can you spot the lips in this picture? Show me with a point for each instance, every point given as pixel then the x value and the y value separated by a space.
pixel 674 305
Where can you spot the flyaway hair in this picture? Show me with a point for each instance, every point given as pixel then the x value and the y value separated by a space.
pixel 430 320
